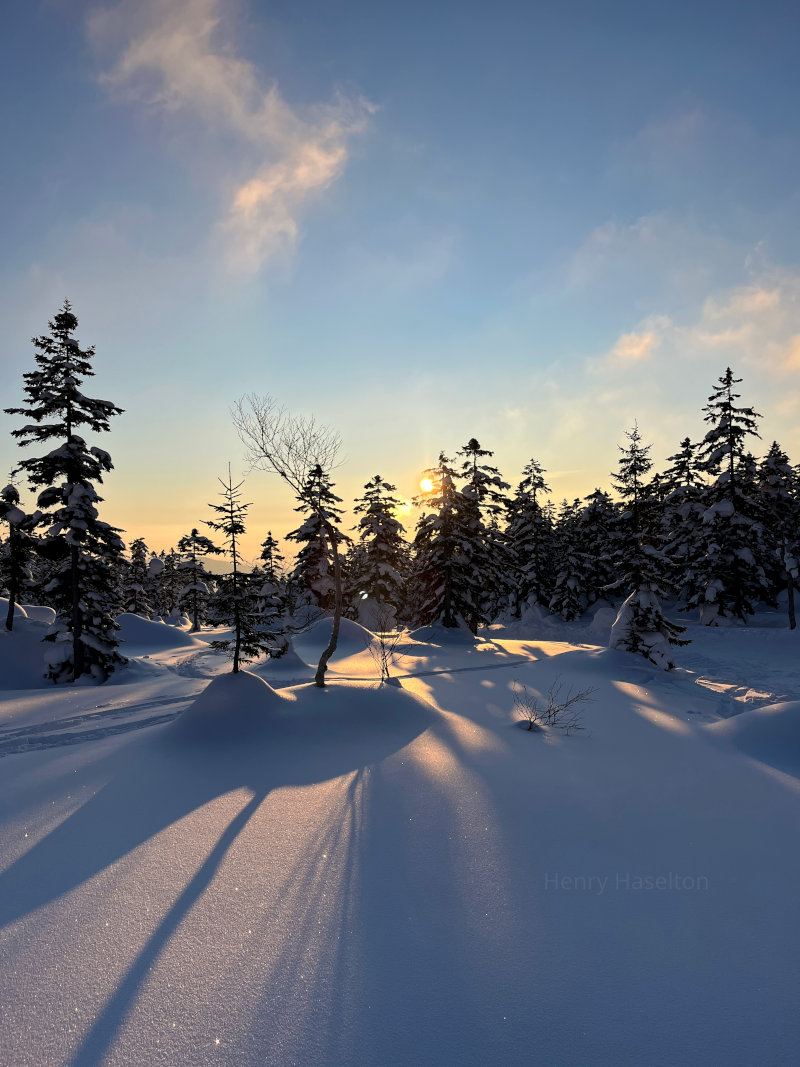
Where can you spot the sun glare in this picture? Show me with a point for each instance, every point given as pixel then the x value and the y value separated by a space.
pixel 426 485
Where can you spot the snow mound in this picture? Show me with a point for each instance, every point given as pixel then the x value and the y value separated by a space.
pixel 444 635
pixel 232 707
pixel 40 613
pixel 771 735
pixel 602 622
pixel 19 611
pixel 289 665
pixel 353 638
pixel 140 636
pixel 22 663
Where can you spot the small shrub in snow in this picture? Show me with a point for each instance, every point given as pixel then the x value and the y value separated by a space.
pixel 559 710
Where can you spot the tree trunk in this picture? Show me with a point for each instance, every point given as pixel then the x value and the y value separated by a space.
pixel 790 601
pixel 77 617
pixel 12 585
pixel 319 677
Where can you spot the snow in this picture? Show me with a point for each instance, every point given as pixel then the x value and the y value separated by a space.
pixel 198 867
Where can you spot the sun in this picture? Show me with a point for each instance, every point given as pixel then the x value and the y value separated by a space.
pixel 426 485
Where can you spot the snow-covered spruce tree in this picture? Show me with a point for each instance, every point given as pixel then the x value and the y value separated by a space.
pixel 682 517
pixel 730 574
pixel 273 593
pixel 530 540
pixel 314 568
pixel 236 602
pixel 16 550
pixel 640 625
pixel 83 548
pixel 135 598
pixel 379 566
pixel 272 562
pixel 481 503
pixel 779 492
pixel 441 585
pixel 197 581
pixel 164 583
pixel 594 523
pixel 570 596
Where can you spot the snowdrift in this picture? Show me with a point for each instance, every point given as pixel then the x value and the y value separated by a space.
pixel 232 707
pixel 39 613
pixel 353 639
pixel 22 663
pixel 770 735
pixel 140 637
pixel 19 611
pixel 444 635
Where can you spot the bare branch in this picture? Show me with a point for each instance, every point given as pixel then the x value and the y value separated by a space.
pixel 281 443
pixel 559 712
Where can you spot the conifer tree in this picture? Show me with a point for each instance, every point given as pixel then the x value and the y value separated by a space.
pixel 237 599
pixel 481 502
pixel 83 548
pixel 379 561
pixel 683 528
pixel 441 589
pixel 529 535
pixel 273 563
pixel 569 598
pixel 779 490
pixel 135 593
pixel 640 626
pixel 16 550
pixel 314 570
pixel 194 594
pixel 730 576
pixel 594 525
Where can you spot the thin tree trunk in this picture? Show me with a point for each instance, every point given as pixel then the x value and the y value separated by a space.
pixel 790 601
pixel 12 585
pixel 12 599
pixel 237 621
pixel 319 677
pixel 77 617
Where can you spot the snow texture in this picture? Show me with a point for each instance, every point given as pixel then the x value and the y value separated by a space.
pixel 200 868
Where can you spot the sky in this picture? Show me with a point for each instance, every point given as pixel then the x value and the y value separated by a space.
pixel 530 223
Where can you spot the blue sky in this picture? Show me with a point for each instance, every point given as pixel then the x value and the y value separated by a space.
pixel 527 222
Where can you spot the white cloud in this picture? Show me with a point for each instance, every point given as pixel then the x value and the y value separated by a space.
pixel 177 57
pixel 636 346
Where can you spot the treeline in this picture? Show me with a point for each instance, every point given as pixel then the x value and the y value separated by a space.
pixel 715 532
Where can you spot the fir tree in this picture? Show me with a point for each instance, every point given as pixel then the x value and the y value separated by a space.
pixel 529 536
pixel 313 571
pixel 569 598
pixel 730 576
pixel 483 556
pixel 441 585
pixel 135 593
pixel 640 626
pixel 779 491
pixel 195 591
pixel 16 551
pixel 594 525
pixel 83 548
pixel 683 528
pixel 379 559
pixel 237 599
pixel 273 562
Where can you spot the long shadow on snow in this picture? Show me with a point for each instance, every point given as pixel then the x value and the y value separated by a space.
pixel 157 782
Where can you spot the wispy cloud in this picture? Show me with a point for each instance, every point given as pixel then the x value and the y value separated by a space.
pixel 178 57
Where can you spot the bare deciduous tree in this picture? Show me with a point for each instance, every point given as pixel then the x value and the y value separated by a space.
pixel 558 711
pixel 290 446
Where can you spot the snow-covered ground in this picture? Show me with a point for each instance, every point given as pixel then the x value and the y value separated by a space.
pixel 198 868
